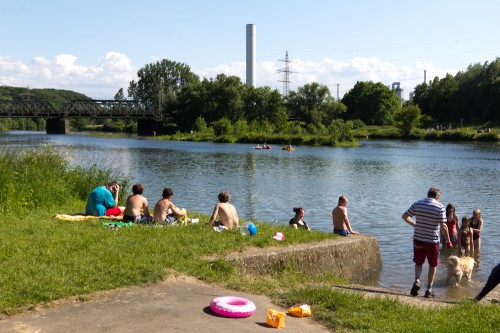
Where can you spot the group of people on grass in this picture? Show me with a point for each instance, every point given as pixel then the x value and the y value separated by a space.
pixel 103 201
pixel 431 219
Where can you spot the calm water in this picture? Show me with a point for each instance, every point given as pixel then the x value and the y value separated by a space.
pixel 381 178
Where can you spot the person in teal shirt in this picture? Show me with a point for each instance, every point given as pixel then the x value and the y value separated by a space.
pixel 103 201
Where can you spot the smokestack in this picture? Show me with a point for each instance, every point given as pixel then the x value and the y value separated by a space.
pixel 425 76
pixel 251 54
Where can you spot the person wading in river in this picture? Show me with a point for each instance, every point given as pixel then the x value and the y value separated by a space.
pixel 430 216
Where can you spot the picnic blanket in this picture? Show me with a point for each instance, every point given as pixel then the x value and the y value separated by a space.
pixel 81 217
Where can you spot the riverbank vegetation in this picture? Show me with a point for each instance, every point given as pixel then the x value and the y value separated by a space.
pixel 472 132
pixel 44 259
pixel 223 108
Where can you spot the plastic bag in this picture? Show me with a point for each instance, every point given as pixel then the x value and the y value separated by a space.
pixel 275 318
pixel 300 310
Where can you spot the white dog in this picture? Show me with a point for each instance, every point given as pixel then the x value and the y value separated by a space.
pixel 460 267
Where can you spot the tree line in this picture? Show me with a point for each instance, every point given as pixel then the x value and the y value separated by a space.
pixel 472 95
pixel 224 103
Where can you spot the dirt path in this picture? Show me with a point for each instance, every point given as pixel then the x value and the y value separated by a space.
pixel 178 304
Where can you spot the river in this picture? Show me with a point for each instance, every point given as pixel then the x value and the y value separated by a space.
pixel 382 179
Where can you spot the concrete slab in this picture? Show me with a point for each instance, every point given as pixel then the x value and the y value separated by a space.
pixel 174 305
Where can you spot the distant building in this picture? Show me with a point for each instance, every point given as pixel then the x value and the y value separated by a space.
pixel 399 92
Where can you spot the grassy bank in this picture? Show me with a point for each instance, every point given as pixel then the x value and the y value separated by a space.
pixel 260 138
pixel 466 133
pixel 42 258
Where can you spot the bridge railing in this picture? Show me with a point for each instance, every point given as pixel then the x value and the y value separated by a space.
pixel 14 109
pixel 77 109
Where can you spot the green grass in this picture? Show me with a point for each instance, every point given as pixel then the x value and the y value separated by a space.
pixel 346 312
pixel 44 259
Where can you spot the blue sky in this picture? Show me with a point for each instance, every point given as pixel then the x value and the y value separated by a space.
pixel 96 47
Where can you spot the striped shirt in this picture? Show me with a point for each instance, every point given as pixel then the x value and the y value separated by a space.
pixel 429 213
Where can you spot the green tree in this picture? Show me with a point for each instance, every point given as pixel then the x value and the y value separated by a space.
pixel 200 125
pixel 227 98
pixel 222 126
pixel 191 104
pixel 313 103
pixel 264 104
pixel 471 95
pixel 119 96
pixel 373 103
pixel 159 85
pixel 408 118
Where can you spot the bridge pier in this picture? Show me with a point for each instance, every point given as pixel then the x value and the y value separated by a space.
pixel 149 127
pixel 57 126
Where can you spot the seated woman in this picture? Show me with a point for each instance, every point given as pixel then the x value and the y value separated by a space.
pixel 297 221
pixel 166 212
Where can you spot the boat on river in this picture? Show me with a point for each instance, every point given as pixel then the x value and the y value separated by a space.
pixel 289 148
pixel 258 147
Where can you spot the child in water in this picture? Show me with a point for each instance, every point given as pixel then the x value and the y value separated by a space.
pixel 476 223
pixel 466 241
pixel 452 224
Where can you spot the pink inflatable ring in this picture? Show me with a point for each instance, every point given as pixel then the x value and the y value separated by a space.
pixel 230 306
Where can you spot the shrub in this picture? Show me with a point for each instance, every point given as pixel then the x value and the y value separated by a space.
pixel 42 178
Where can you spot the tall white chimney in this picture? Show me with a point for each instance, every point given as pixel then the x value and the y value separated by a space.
pixel 251 54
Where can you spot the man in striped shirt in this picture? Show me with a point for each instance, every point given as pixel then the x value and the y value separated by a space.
pixel 430 216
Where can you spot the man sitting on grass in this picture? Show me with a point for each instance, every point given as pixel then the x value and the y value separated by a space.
pixel 103 201
pixel 166 212
pixel 226 211
pixel 136 208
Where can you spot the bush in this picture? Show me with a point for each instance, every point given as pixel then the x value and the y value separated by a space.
pixel 42 178
pixel 222 126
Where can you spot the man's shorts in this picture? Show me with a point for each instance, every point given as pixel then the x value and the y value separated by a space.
pixel 341 232
pixel 422 250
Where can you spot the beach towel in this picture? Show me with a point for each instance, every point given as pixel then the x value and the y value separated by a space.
pixel 81 217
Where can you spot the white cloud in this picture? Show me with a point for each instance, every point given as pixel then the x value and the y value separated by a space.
pixel 115 70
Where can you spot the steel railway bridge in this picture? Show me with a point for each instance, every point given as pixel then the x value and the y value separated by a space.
pixel 148 121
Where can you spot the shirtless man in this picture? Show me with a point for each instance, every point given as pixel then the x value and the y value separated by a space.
pixel 226 211
pixel 165 207
pixel 136 204
pixel 341 224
